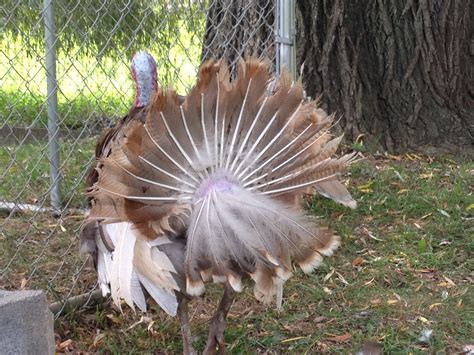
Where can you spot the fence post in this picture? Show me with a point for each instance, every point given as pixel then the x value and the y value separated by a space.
pixel 285 36
pixel 52 102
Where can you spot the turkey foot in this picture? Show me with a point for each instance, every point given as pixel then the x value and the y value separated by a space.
pixel 215 340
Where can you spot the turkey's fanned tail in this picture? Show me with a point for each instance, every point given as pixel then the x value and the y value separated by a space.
pixel 223 165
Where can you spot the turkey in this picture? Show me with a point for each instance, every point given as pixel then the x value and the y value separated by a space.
pixel 204 188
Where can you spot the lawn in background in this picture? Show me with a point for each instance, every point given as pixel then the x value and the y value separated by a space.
pixel 89 89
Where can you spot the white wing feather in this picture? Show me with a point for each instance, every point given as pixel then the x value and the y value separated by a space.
pixel 137 292
pixel 164 297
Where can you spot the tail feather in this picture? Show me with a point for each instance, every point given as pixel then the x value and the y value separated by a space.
pixel 122 263
pixel 229 154
pixel 336 191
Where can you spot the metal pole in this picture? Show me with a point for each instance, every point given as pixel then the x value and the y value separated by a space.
pixel 52 101
pixel 285 39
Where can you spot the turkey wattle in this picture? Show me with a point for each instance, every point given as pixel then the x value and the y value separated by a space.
pixel 204 189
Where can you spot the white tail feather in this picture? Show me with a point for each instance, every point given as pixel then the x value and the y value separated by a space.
pixel 122 262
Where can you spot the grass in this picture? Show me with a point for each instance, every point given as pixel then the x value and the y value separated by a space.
pixel 40 252
pixel 20 109
pixel 25 176
pixel 405 265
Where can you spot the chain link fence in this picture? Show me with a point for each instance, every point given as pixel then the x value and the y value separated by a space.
pixel 64 77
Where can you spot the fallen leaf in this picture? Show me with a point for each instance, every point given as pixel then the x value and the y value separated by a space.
pixel 344 338
pixel 99 338
pixel 150 326
pixel 292 339
pixel 329 274
pixel 449 281
pixel 444 213
pixel 423 320
pixel 327 290
pixel 358 261
pixel 425 271
pixel 366 187
pixel 470 207
pixel 394 157
pixel 294 296
pixel 322 347
pixel 413 157
pixel 343 280
pixel 445 284
pixel 143 319
pixel 434 305
pixel 372 236
pixel 392 301
pixel 397 296
pixel 369 282
pixel 65 345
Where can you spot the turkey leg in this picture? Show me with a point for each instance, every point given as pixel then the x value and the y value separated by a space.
pixel 218 322
pixel 185 327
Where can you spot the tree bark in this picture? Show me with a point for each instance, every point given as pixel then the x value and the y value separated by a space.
pixel 239 29
pixel 400 72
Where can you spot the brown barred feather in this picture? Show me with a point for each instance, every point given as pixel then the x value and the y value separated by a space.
pixel 221 172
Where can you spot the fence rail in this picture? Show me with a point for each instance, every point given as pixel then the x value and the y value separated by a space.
pixel 64 77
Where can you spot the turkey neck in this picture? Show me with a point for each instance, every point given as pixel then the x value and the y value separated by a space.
pixel 144 76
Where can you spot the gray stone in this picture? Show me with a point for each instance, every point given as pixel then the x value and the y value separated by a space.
pixel 26 323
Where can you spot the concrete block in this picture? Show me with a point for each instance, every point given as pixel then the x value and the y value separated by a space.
pixel 26 323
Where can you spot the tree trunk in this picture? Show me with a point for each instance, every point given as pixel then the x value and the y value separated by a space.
pixel 239 28
pixel 400 72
